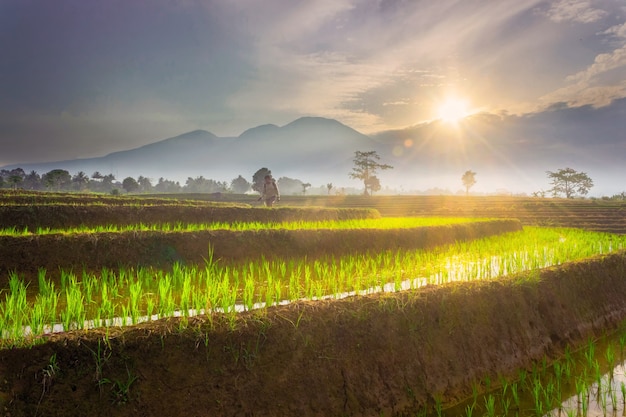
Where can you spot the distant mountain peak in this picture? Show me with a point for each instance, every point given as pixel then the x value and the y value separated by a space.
pixel 314 120
pixel 199 133
pixel 262 129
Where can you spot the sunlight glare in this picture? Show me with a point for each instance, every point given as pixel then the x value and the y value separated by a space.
pixel 452 110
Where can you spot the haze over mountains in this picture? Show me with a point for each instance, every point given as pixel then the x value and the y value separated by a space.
pixel 507 152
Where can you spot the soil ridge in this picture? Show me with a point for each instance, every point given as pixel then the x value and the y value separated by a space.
pixel 383 354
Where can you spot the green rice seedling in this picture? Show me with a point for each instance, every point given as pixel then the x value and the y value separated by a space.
pixel 73 317
pixel 106 310
pixel 515 395
pixel 37 320
pixel 490 405
pixel 548 395
pixel 227 296
pixel 469 410
pixel 590 354
pixel 45 286
pixel 248 293
pixel 135 296
pixel 121 389
pixel 537 393
pixel 584 396
pixel 185 295
pixel 506 405
pixel 609 354
pixel 14 308
pixel 623 390
pixel 166 301
pixel 614 402
pixel 438 405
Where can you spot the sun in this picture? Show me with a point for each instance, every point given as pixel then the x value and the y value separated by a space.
pixel 452 110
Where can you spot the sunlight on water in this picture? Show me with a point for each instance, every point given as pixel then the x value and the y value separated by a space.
pixel 605 397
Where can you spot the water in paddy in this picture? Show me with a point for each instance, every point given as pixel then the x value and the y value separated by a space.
pixel 590 382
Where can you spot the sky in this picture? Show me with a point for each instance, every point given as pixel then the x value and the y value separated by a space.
pixel 84 78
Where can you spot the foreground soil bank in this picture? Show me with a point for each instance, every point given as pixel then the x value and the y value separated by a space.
pixel 388 354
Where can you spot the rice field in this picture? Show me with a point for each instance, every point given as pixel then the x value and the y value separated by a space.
pixel 127 296
pixel 240 295
pixel 382 224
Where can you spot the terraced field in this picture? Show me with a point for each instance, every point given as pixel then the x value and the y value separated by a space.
pixel 599 215
pixel 322 306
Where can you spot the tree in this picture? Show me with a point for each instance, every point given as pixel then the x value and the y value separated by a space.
pixel 258 179
pixel 14 177
pixel 145 184
pixel 240 185
pixel 15 180
pixel 130 184
pixel 304 187
pixel 32 181
pixel 289 186
pixel 569 182
pixel 56 179
pixel 469 179
pixel 329 186
pixel 365 167
pixel 80 180
pixel 167 186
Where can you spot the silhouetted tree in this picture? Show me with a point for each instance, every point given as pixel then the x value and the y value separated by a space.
pixel 80 181
pixel 167 186
pixel 259 178
pixel 145 185
pixel 32 181
pixel 289 186
pixel 240 185
pixel 130 184
pixel 56 179
pixel 365 167
pixel 469 179
pixel 329 186
pixel 569 181
pixel 304 187
pixel 373 183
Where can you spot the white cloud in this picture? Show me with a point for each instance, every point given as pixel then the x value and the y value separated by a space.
pixel 581 11
pixel 599 84
pixel 617 31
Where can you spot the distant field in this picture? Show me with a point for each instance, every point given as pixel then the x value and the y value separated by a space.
pixel 597 215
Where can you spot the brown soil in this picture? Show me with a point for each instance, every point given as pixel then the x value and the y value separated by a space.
pixel 93 251
pixel 62 216
pixel 363 356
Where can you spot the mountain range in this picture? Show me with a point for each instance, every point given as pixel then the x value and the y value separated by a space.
pixel 507 152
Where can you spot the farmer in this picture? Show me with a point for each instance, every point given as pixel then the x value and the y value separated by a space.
pixel 270 192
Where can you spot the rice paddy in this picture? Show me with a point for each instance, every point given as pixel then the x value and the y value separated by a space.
pixel 424 296
pixel 89 300
pixel 383 223
pixel 584 383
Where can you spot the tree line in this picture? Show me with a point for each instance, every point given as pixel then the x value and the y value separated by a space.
pixel 565 182
pixel 62 180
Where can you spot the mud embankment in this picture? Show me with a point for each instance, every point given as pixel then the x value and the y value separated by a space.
pixel 63 216
pixel 389 354
pixel 91 251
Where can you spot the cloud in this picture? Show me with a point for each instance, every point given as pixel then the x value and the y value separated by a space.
pixel 226 66
pixel 598 84
pixel 581 11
